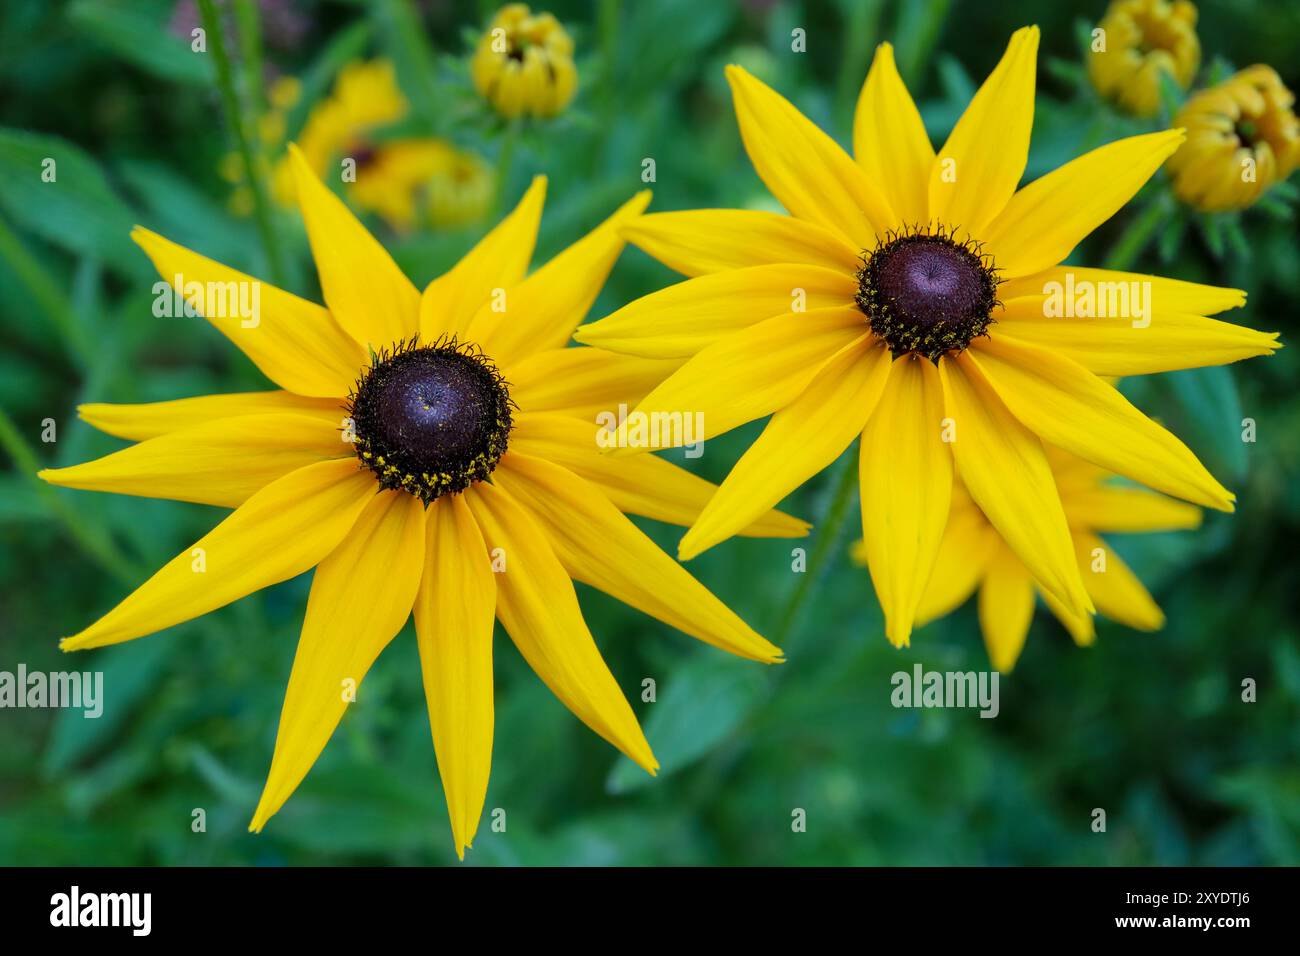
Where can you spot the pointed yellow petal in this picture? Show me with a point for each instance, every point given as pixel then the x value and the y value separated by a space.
pixel 1003 467
pixel 539 609
pixel 363 286
pixel 702 241
pixel 1120 509
pixel 682 319
pixel 138 422
pixel 889 140
pixel 1043 222
pixel 454 614
pixel 541 312
pixel 745 375
pixel 801 439
pixel 499 261
pixel 1006 609
pixel 1167 295
pixel 1065 404
pixel 1118 592
pixel 296 343
pixel 599 546
pixel 1082 628
pixel 905 475
pixel 977 170
pixel 645 485
pixel 584 382
pixel 969 544
pixel 277 534
pixel 361 595
pixel 222 462
pixel 806 170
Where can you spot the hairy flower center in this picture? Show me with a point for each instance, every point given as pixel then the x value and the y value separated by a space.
pixel 926 292
pixel 431 420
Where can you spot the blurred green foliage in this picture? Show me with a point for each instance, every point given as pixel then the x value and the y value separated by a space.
pixel 1149 727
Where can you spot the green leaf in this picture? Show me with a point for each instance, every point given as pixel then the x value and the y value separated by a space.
pixel 129 31
pixel 1203 408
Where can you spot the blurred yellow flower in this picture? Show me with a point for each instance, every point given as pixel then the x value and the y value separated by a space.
pixel 1141 39
pixel 973 556
pixel 524 64
pixel 1242 137
pixel 403 177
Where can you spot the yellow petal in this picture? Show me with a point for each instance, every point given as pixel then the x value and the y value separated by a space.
pixel 1065 404
pixel 541 312
pixel 1118 592
pixel 969 544
pixel 714 240
pixel 1120 509
pixel 682 319
pixel 977 170
pixel 277 534
pixel 801 439
pixel 498 261
pixel 221 462
pixel 296 343
pixel 537 606
pixel 361 595
pixel 584 382
pixel 1167 295
pixel 138 422
pixel 745 375
pixel 890 142
pixel 364 288
pixel 1082 628
pixel 806 170
pixel 645 485
pixel 1043 222
pixel 1006 609
pixel 454 614
pixel 905 474
pixel 599 546
pixel 1003 467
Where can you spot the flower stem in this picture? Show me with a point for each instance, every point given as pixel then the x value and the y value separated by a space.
pixel 46 291
pixel 1136 237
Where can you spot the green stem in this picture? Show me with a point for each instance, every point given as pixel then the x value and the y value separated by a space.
pixel 235 119
pixel 505 158
pixel 1135 238
pixel 47 293
pixel 94 541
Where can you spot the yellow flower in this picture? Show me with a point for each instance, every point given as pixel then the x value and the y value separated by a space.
pixel 1242 137
pixel 524 64
pixel 1142 40
pixel 402 517
pixel 918 300
pixel 401 176
pixel 972 555
pixel 462 189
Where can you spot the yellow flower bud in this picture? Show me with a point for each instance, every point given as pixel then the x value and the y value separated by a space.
pixel 524 64
pixel 1138 41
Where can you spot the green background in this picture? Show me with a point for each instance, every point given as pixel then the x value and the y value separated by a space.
pixel 1149 727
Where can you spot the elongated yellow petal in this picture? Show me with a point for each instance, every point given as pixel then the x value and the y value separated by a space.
pixel 1116 589
pixel 741 377
pixel 541 312
pixel 1043 222
pixel 222 462
pixel 682 319
pixel 1003 467
pixel 1167 295
pixel 598 545
pixel 1131 345
pixel 297 344
pixel 539 609
pixel 364 288
pixel 584 382
pixel 801 439
pixel 1067 405
pixel 361 595
pixel 889 140
pixel 645 485
pixel 1006 609
pixel 905 475
pixel 977 170
pixel 1120 509
pixel 805 169
pixel 969 544
pixel 454 614
pixel 138 422
pixel 702 241
pixel 1082 628
pixel 280 532
pixel 498 261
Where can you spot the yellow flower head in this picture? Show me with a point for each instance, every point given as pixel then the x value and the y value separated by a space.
pixel 1242 137
pixel 401 178
pixel 1142 39
pixel 369 462
pixel 972 555
pixel 524 64
pixel 917 299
